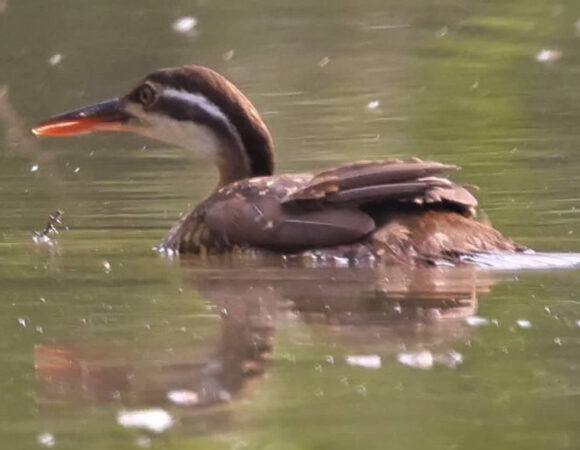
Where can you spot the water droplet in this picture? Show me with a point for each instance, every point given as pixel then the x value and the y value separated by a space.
pixel 155 419
pixel 183 397
pixel 476 321
pixel 366 361
pixel 547 55
pixel 524 323
pixel 419 360
pixel 46 439
pixel 184 24
pixel 55 59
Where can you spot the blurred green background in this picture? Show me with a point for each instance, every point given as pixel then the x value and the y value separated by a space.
pixel 99 323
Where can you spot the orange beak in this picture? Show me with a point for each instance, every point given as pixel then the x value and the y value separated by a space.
pixel 104 116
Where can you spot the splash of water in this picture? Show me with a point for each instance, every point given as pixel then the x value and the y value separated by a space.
pixel 529 260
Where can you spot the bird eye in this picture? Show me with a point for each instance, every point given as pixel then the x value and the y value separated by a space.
pixel 147 96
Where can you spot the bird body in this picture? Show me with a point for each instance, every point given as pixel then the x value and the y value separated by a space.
pixel 396 210
pixel 418 219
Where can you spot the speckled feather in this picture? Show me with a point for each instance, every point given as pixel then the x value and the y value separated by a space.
pixel 404 215
pixel 398 210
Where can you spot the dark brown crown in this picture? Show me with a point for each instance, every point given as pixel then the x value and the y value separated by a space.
pixel 240 112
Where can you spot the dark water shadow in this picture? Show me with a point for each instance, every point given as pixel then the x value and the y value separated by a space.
pixel 394 308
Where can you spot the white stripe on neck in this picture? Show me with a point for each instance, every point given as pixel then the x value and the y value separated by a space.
pixel 200 101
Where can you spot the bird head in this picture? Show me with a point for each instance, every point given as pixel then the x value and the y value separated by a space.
pixel 190 106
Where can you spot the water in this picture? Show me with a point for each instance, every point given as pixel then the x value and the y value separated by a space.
pixel 259 352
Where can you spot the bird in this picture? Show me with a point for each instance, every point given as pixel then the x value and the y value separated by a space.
pixel 393 211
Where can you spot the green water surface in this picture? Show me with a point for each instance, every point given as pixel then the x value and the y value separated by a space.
pixel 99 323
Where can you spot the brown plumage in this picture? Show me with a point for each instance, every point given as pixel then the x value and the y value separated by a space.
pixel 396 210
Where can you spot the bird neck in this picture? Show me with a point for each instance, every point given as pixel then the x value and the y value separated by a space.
pixel 243 156
pixel 236 139
pixel 233 163
pixel 231 130
pixel 246 149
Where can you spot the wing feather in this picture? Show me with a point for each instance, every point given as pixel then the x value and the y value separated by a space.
pixel 406 181
pixel 263 222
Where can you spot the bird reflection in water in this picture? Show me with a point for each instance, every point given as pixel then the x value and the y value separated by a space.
pixel 388 309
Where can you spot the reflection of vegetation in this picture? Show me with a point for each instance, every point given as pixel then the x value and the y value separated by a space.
pixel 478 90
pixel 514 390
pixel 471 70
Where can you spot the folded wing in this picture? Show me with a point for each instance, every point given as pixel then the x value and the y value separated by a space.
pixel 406 181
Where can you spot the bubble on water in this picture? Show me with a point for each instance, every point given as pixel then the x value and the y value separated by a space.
pixel 55 59
pixel 548 55
pixel 524 323
pixel 184 24
pixel 183 397
pixel 324 62
pixel 34 168
pixel 155 419
pixel 419 360
pixel 23 322
pixel 77 170
pixel 476 321
pixel 228 55
pixel 107 266
pixel 46 439
pixel 373 104
pixel 366 361
pixel 341 261
pixel 42 239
